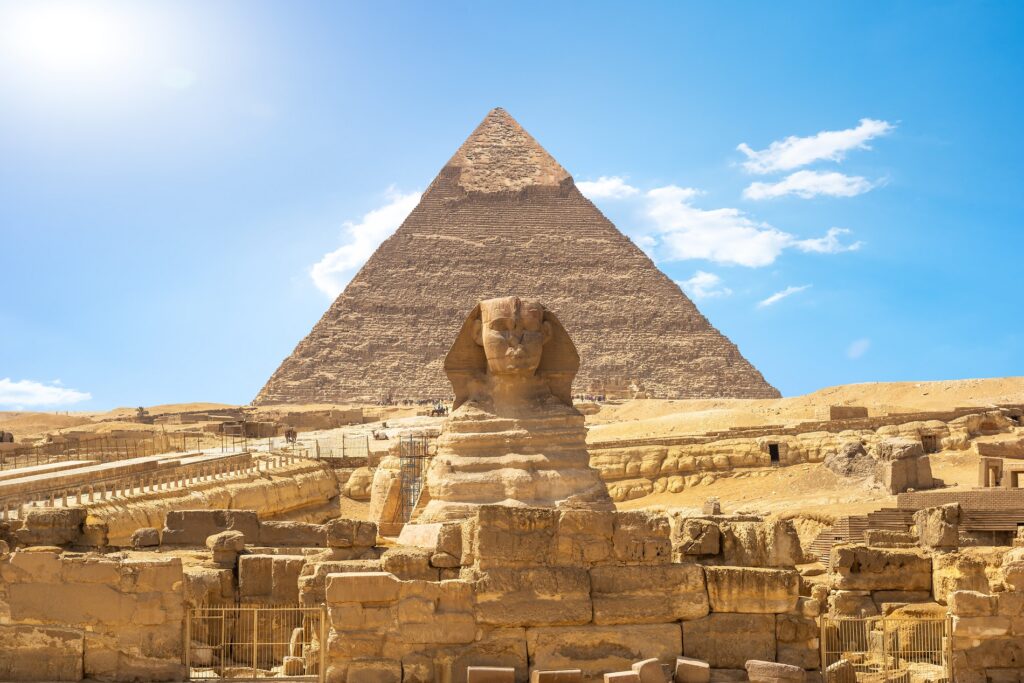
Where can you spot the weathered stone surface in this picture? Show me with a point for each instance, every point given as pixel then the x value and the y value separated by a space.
pixel 650 671
pixel 689 670
pixel 534 597
pixel 1013 569
pixel 146 537
pixel 772 672
pixel 727 641
pixel 40 653
pixel 292 534
pixel 513 437
pixel 193 527
pixel 694 537
pixel 772 543
pixel 957 571
pixel 858 567
pixel 746 589
pixel 362 587
pixel 490 674
pixel 599 649
pixel 374 671
pixel 972 604
pixel 938 527
pixel 499 203
pixel 584 537
pixel 255 575
pixel 797 641
pixel 509 536
pixel 52 526
pixel 648 594
pixel 350 533
pixel 641 537
pixel 408 563
pixel 559 676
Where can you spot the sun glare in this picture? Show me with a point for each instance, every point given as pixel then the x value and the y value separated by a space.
pixel 76 39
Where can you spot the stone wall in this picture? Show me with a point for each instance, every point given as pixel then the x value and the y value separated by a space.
pixel 539 588
pixel 66 617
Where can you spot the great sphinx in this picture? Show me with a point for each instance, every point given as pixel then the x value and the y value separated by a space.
pixel 513 437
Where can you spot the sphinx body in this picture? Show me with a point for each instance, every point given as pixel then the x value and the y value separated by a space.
pixel 513 437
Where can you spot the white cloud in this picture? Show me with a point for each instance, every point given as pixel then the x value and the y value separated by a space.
pixel 779 296
pixel 807 184
pixel 793 152
pixel 829 244
pixel 683 231
pixel 858 348
pixel 607 187
pixel 704 285
pixel 334 271
pixel 25 392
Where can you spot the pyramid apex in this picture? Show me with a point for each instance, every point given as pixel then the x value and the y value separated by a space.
pixel 500 156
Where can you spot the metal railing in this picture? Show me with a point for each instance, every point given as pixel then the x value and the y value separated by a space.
pixel 886 649
pixel 103 449
pixel 255 642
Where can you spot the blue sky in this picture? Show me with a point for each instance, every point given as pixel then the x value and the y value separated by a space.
pixel 170 174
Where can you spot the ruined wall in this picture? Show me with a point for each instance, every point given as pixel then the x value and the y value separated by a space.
pixel 66 617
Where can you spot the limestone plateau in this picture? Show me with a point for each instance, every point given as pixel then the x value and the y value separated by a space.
pixel 501 218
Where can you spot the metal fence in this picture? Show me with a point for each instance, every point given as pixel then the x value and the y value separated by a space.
pixel 101 448
pixel 342 447
pixel 255 642
pixel 883 649
pixel 414 454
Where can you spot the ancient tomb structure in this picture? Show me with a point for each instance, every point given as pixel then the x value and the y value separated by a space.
pixel 504 217
pixel 513 437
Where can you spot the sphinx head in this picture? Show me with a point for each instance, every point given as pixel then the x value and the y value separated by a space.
pixel 509 338
pixel 512 333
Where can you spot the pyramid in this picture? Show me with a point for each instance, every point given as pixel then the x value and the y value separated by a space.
pixel 504 218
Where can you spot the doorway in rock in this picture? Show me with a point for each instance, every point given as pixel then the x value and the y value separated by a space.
pixel 773 453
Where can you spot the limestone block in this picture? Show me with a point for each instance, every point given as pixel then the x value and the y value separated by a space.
pixel 359 484
pixel 225 546
pixel 40 653
pixel 583 537
pixel 851 604
pixel 34 564
pixel 772 543
pixel 859 567
pixel 431 612
pixel 293 666
pixel 540 596
pixel 350 533
pixel 418 668
pixel 1010 604
pixel 772 672
pixel 694 537
pixel 292 534
pixel 689 670
pixel 508 536
pixel 622 677
pixel 146 537
pixel 503 647
pixel 69 604
pixel 52 526
pixel 842 671
pixel 362 587
pixel 727 641
pixel 648 594
pixel 255 575
pixel 972 604
pixel 1013 569
pixel 938 527
pixel 991 653
pixel 90 569
pixel 797 641
pixel 957 571
pixel 313 577
pixel 750 590
pixel 490 674
pixel 561 676
pixel 650 671
pixel 408 563
pixel 599 649
pixel 981 627
pixel 374 671
pixel 444 561
pixel 193 527
pixel 641 537
pixel 286 570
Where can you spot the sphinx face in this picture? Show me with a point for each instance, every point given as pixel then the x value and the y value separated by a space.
pixel 513 333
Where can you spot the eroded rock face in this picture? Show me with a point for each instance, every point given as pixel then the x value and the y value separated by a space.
pixel 859 567
pixel 514 437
